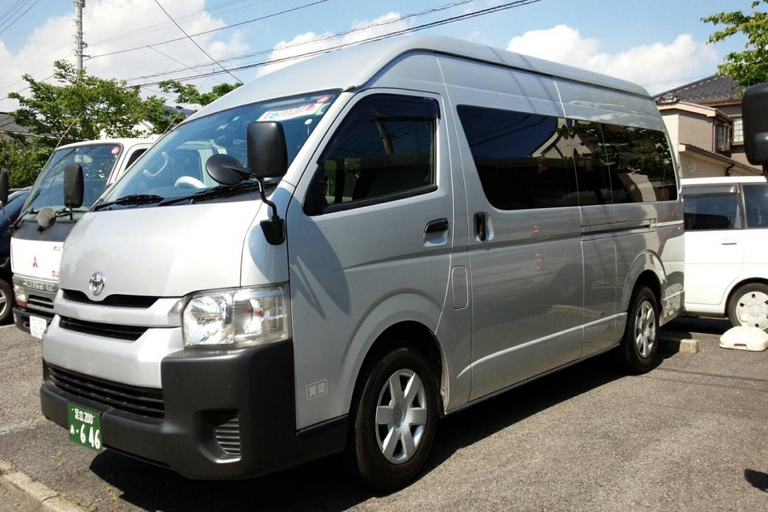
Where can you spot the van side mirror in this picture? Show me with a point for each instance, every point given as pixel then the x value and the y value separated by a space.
pixel 73 186
pixel 4 187
pixel 754 105
pixel 226 169
pixel 267 151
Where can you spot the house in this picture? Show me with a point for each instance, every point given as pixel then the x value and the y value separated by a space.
pixel 703 119
pixel 9 127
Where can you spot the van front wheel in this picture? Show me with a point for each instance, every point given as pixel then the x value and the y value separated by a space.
pixel 394 420
pixel 641 336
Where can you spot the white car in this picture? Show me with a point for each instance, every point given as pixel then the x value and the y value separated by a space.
pixel 726 249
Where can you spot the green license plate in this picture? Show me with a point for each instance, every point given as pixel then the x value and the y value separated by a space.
pixel 84 427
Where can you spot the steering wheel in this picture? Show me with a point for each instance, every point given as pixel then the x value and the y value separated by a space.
pixel 166 161
pixel 189 182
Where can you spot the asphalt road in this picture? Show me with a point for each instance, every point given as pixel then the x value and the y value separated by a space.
pixel 690 435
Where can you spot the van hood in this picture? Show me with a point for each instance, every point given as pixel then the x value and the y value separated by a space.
pixel 166 251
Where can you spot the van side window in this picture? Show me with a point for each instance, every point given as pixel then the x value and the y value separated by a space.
pixel 756 205
pixel 523 160
pixel 383 150
pixel 641 164
pixel 593 175
pixel 712 211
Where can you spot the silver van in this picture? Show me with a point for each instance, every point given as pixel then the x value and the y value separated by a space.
pixel 341 252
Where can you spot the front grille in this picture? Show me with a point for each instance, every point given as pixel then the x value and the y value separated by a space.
pixel 226 430
pixel 40 303
pixel 121 332
pixel 146 402
pixel 119 301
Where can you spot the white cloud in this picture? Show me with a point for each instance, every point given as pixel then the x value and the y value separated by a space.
pixel 54 40
pixel 657 67
pixel 311 42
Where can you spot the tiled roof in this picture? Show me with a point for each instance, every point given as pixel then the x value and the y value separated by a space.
pixel 712 88
pixel 7 124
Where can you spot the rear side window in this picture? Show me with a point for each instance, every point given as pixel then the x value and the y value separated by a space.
pixel 756 205
pixel 715 211
pixel 523 160
pixel 384 149
pixel 641 164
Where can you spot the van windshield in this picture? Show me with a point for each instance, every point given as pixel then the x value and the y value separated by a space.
pixel 97 161
pixel 175 166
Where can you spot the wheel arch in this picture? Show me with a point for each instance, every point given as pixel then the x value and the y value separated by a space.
pixel 647 270
pixel 739 284
pixel 406 332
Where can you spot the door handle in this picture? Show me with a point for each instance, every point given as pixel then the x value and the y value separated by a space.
pixel 728 241
pixel 481 226
pixel 436 226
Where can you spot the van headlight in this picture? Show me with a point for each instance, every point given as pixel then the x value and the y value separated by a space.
pixel 237 317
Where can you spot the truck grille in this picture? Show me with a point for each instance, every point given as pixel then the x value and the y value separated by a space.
pixel 39 303
pixel 145 402
pixel 121 332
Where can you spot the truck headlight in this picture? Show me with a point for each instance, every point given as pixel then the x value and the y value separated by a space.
pixel 20 294
pixel 237 317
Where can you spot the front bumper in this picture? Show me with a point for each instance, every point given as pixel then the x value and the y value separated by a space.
pixel 199 385
pixel 21 317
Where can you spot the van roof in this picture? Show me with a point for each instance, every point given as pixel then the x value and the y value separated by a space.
pixel 353 67
pixel 722 180
pixel 125 141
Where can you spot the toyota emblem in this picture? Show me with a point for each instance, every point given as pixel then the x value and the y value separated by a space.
pixel 96 283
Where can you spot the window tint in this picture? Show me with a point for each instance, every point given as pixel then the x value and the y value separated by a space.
pixel 135 156
pixel 640 163
pixel 384 147
pixel 716 211
pixel 592 171
pixel 756 204
pixel 523 160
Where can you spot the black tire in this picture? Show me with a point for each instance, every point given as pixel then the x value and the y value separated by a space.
pixel 754 294
pixel 365 455
pixel 6 301
pixel 640 344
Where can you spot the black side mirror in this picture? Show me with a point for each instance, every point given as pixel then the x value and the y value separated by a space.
pixel 754 106
pixel 4 188
pixel 226 169
pixel 267 151
pixel 73 186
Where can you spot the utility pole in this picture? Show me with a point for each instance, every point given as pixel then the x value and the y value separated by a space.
pixel 79 43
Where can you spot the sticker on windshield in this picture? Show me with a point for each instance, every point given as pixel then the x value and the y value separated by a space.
pixel 292 113
pixel 115 150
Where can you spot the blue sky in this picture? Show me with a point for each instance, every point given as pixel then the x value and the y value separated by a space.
pixel 657 43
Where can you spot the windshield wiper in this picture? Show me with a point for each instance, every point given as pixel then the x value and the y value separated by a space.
pixel 220 191
pixel 132 199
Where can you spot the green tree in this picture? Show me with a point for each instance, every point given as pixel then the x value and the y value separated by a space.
pixel 85 107
pixel 750 66
pixel 189 95
pixel 22 161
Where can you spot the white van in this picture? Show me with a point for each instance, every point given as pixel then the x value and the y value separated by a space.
pixel 36 250
pixel 726 256
pixel 340 252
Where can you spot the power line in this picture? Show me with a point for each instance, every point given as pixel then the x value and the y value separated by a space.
pixel 13 7
pixel 445 21
pixel 160 26
pixel 178 61
pixel 322 38
pixel 260 18
pixel 193 42
pixel 19 17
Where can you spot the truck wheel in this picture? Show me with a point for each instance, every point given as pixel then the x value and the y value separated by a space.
pixel 6 301
pixel 748 306
pixel 395 416
pixel 640 343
